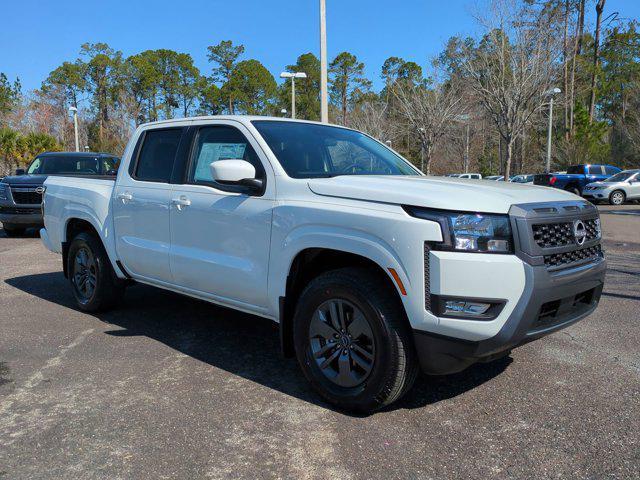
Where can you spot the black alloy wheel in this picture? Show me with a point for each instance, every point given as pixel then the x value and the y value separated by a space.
pixel 84 275
pixel 341 342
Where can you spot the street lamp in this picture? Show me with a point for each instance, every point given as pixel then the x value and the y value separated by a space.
pixel 422 130
pixel 550 94
pixel 465 118
pixel 324 97
pixel 74 111
pixel 293 76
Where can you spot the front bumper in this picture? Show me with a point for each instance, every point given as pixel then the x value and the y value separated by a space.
pixel 596 194
pixel 553 300
pixel 25 216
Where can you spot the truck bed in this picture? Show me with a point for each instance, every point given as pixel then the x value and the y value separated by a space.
pixel 83 197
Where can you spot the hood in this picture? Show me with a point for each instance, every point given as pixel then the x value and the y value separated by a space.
pixel 603 184
pixel 437 192
pixel 25 179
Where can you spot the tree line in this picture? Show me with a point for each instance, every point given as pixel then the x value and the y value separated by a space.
pixel 481 105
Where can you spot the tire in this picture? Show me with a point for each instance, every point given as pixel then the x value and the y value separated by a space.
pixel 383 343
pixel 95 271
pixel 617 197
pixel 13 231
pixel 575 190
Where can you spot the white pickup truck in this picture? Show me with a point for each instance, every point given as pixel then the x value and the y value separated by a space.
pixel 372 269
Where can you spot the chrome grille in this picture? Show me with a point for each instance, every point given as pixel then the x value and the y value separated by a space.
pixel 593 228
pixel 550 235
pixel 565 258
pixel 26 195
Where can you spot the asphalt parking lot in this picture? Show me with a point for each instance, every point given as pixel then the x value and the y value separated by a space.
pixel 170 387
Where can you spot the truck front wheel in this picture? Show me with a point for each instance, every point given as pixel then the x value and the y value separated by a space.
pixel 92 278
pixel 353 341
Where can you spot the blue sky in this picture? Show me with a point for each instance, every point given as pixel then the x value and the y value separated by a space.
pixel 37 36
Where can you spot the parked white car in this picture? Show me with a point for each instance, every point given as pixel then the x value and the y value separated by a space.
pixel 371 269
pixel 471 176
pixel 522 179
pixel 616 190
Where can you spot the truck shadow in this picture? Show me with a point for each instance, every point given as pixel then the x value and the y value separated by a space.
pixel 29 233
pixel 241 344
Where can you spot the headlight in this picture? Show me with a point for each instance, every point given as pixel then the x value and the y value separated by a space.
pixel 477 232
pixel 3 191
pixel 470 232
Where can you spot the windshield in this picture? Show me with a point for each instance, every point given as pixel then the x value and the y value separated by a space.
pixel 72 164
pixel 307 150
pixel 575 170
pixel 622 176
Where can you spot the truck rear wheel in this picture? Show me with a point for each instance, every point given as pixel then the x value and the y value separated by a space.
pixel 92 278
pixel 353 341
pixel 573 189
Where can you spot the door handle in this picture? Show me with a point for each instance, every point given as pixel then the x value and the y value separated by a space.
pixel 125 197
pixel 181 202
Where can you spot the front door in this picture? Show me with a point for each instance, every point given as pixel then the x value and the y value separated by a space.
pixel 141 206
pixel 634 187
pixel 220 234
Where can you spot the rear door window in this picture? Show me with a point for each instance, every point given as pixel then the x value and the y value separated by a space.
pixel 157 155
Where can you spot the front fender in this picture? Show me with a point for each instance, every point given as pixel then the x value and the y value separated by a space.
pixel 348 240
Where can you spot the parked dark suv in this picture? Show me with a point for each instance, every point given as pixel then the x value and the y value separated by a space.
pixel 21 195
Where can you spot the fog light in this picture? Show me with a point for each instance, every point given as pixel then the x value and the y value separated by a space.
pixel 452 307
pixel 466 308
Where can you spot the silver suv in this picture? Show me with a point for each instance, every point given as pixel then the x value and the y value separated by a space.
pixel 616 190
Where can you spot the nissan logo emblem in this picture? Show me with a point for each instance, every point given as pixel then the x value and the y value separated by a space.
pixel 579 231
pixel 40 190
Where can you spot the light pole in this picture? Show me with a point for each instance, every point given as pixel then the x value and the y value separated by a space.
pixel 293 76
pixel 550 94
pixel 74 111
pixel 421 150
pixel 465 118
pixel 324 99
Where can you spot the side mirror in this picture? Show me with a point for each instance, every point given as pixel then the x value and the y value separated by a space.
pixel 112 172
pixel 20 171
pixel 235 172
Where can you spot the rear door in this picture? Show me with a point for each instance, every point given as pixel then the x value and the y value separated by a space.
pixel 141 204
pixel 221 234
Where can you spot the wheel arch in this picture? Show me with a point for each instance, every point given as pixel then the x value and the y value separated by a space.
pixel 573 185
pixel 622 191
pixel 75 225
pixel 311 262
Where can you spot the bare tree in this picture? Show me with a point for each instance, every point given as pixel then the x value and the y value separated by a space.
pixel 513 67
pixel 565 66
pixel 371 117
pixel 429 110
